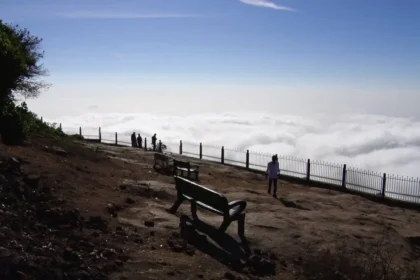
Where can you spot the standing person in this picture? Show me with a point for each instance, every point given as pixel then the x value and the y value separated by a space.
pixel 139 141
pixel 154 142
pixel 272 173
pixel 133 140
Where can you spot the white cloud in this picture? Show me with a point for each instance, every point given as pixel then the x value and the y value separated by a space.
pixel 122 15
pixel 266 4
pixel 370 142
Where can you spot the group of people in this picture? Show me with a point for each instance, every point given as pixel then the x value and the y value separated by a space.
pixel 138 142
pixel 272 172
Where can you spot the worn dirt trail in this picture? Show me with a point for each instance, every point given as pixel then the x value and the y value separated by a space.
pixel 121 185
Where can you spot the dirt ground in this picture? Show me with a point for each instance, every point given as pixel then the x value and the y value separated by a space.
pixel 120 185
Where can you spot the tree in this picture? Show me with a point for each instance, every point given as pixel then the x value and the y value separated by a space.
pixel 20 72
pixel 20 67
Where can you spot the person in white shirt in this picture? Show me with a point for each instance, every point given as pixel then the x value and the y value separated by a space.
pixel 272 173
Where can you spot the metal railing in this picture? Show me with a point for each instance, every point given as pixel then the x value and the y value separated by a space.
pixel 363 181
pixel 212 153
pixel 326 172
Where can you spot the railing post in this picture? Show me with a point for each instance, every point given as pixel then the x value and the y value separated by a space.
pixel 180 147
pixel 201 151
pixel 116 139
pixel 80 131
pixel 247 159
pixel 223 155
pixel 343 182
pixel 100 135
pixel 145 143
pixel 384 185
pixel 308 170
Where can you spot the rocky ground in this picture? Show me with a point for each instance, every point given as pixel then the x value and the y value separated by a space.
pixel 89 211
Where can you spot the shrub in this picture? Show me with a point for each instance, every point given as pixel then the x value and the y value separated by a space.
pixel 20 73
pixel 15 123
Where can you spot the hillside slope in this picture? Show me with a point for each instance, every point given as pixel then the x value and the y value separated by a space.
pixel 91 211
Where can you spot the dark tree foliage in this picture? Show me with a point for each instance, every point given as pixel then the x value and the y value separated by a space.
pixel 20 72
pixel 20 67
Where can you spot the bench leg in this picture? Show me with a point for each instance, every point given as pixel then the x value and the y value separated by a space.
pixel 224 226
pixel 176 205
pixel 194 210
pixel 241 225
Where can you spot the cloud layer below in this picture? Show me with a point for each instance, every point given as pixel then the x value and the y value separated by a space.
pixel 377 143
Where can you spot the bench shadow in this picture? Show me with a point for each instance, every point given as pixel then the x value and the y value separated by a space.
pixel 220 246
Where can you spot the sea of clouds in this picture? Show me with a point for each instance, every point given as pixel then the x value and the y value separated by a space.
pixel 371 142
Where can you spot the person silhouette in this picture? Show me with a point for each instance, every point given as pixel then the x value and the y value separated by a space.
pixel 133 140
pixel 139 141
pixel 272 173
pixel 154 138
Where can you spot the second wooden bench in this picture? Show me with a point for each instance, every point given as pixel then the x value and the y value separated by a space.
pixel 182 167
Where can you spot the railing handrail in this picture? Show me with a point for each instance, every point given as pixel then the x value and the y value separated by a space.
pixel 376 178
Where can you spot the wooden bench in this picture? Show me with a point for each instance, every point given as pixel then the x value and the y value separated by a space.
pixel 162 162
pixel 185 166
pixel 210 200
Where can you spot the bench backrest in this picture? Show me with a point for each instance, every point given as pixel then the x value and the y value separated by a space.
pixel 202 194
pixel 161 157
pixel 182 164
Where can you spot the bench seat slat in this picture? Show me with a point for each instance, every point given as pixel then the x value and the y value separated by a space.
pixel 185 166
pixel 186 169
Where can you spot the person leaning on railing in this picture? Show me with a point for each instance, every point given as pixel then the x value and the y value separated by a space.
pixel 139 141
pixel 133 140
pixel 154 138
pixel 272 173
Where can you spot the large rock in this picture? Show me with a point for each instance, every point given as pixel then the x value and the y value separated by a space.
pixel 149 223
pixel 261 266
pixel 97 222
pixel 9 167
pixel 71 256
pixel 56 150
pixel 32 180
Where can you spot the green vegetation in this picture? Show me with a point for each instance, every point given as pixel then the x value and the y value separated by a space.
pixel 19 123
pixel 20 57
pixel 20 72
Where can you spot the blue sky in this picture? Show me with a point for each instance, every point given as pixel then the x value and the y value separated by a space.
pixel 300 49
